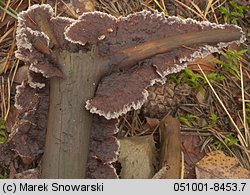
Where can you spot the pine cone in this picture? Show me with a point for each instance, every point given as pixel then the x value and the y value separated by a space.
pixel 164 98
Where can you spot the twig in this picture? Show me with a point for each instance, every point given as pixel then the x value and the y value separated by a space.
pixel 129 56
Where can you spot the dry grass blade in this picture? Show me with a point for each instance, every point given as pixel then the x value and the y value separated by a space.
pixel 6 34
pixel 192 10
pixel 198 9
pixel 70 11
pixel 3 103
pixel 215 16
pixel 118 8
pixel 247 135
pixel 55 8
pixel 147 6
pixel 219 5
pixel 240 136
pixel 8 101
pixel 10 6
pixel 15 70
pixel 163 4
pixel 182 166
pixel 19 4
pixel 162 7
pixel 205 145
pixel 221 138
pixel 4 13
pixel 5 10
pixel 9 56
pixel 216 5
pixel 209 5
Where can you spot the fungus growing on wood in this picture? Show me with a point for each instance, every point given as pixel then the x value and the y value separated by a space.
pixel 161 46
pixel 103 149
pixel 111 60
pixel 28 125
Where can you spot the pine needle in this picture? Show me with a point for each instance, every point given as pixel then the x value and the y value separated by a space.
pixel 8 100
pixel 189 8
pixel 182 165
pixel 3 105
pixel 12 13
pixel 6 34
pixel 247 136
pixel 240 136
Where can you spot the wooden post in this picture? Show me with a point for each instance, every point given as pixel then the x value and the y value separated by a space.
pixel 69 124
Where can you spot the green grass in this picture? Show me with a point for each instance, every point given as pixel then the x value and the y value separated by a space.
pixel 191 120
pixel 229 142
pixel 230 63
pixel 196 80
pixel 234 12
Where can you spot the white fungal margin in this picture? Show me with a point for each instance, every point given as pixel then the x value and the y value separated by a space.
pixel 18 92
pixel 80 19
pixel 201 53
pixel 21 37
pixel 35 85
pixel 111 115
pixel 36 70
pixel 101 14
pixel 70 39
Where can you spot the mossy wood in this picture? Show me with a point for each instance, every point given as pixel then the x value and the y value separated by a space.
pixel 69 122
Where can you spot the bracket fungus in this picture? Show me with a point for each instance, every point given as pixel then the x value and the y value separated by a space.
pixel 111 60
pixel 161 46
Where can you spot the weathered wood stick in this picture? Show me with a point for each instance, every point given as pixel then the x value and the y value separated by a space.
pixel 69 124
pixel 170 152
pixel 128 57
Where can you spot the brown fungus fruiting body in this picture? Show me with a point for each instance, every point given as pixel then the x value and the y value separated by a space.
pixel 103 149
pixel 166 44
pixel 40 38
pixel 128 54
pixel 28 125
pixel 36 38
